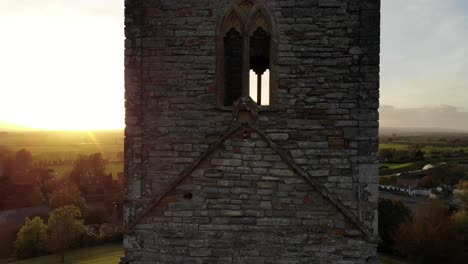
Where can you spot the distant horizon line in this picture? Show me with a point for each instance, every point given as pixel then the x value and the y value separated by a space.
pixel 11 127
pixel 6 130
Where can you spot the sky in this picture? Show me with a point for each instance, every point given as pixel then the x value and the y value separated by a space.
pixel 424 64
pixel 61 64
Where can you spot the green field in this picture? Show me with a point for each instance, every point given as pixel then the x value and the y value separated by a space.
pixel 393 146
pixel 395 166
pixel 108 254
pixel 426 149
pixel 429 149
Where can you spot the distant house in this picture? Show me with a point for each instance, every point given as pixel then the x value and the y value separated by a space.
pixel 421 192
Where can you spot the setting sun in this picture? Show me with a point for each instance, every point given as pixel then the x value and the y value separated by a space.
pixel 62 68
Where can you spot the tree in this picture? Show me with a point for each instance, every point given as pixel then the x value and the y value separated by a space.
pixel 461 217
pixel 391 214
pixel 87 166
pixel 32 238
pixel 120 156
pixel 426 182
pixel 387 154
pixel 460 173
pixel 79 170
pixel 418 155
pixel 461 221
pixel 402 155
pixel 67 194
pixel 431 237
pixel 96 164
pixel 463 194
pixel 23 160
pixel 448 175
pixel 65 227
pixel 97 216
pixel 7 165
pixel 36 197
pixel 8 234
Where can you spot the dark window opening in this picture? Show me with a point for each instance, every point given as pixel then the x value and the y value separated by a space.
pixel 245 55
pixel 232 66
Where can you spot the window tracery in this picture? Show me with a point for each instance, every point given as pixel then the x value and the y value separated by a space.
pixel 246 54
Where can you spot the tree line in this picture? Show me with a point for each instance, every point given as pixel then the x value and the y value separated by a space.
pixel 433 234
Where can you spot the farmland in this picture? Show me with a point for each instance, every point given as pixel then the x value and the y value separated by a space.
pixel 58 150
pixel 57 145
pixel 427 142
pixel 408 152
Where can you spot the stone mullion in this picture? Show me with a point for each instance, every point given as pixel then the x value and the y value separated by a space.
pixel 259 89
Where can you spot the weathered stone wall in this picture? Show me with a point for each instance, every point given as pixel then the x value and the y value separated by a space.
pixel 243 210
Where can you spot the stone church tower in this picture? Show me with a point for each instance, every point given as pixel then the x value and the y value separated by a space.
pixel 252 131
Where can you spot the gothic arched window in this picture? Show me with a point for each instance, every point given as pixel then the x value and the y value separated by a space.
pixel 244 54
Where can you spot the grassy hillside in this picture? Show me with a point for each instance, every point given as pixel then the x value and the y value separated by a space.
pixel 108 254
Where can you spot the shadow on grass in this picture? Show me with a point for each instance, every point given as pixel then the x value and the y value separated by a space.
pixel 105 254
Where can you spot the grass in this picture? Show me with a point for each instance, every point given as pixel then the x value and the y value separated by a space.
pixel 401 167
pixel 426 149
pixel 393 146
pixel 107 254
pixel 395 166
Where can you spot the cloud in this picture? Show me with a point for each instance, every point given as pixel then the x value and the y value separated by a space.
pixel 423 36
pixel 440 117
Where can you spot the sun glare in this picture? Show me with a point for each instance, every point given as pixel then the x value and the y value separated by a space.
pixel 62 69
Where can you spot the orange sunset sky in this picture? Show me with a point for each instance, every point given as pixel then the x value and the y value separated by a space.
pixel 61 65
